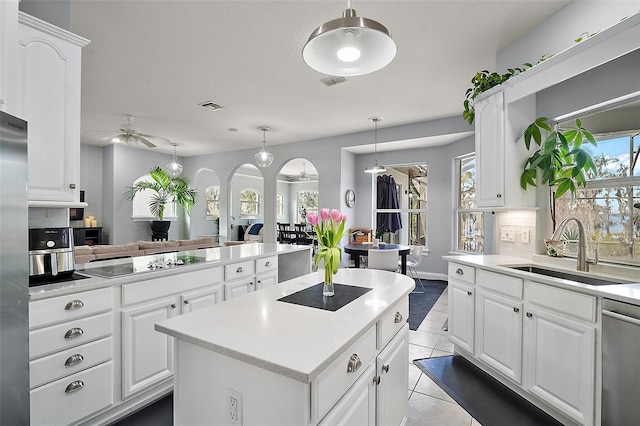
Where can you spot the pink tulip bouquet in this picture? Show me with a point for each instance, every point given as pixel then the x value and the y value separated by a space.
pixel 329 226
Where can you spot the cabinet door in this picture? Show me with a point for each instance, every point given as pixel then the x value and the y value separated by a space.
pixel 357 406
pixel 498 340
pixel 393 373
pixel 489 126
pixel 49 99
pixel 264 281
pixel 147 355
pixel 198 299
pixel 461 315
pixel 560 363
pixel 238 288
pixel 8 55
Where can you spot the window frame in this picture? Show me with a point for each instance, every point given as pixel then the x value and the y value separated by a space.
pixel 457 182
pixel 257 203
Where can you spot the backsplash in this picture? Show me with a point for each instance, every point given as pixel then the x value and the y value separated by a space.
pixel 41 217
pixel 516 233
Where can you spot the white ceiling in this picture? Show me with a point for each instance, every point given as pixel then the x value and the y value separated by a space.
pixel 157 60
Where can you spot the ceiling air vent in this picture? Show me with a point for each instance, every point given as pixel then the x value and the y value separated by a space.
pixel 211 105
pixel 332 81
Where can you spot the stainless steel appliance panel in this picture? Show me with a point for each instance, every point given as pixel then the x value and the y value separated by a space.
pixel 14 273
pixel 620 368
pixel 51 252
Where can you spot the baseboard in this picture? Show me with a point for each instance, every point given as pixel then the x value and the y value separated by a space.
pixel 432 276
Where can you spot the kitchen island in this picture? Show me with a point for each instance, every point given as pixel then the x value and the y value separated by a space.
pixel 259 360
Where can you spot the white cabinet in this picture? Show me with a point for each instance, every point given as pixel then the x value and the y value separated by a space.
pixel 244 277
pixel 358 405
pixel 49 99
pixel 498 318
pixel 8 55
pixel 147 355
pixel 559 352
pixel 489 127
pixel 71 352
pixel 233 289
pixel 392 377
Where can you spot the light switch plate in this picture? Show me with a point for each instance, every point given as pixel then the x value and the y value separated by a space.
pixel 525 236
pixel 507 234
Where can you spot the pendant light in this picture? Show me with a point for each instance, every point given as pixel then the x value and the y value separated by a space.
pixel 174 168
pixel 349 46
pixel 264 158
pixel 375 168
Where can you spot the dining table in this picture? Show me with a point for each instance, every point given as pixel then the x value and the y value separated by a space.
pixel 357 250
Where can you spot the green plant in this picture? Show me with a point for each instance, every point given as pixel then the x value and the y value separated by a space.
pixel 167 190
pixel 561 158
pixel 380 233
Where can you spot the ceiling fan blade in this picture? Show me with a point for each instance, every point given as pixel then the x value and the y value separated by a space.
pixel 146 142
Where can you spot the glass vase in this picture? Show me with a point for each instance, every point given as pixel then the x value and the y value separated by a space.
pixel 327 288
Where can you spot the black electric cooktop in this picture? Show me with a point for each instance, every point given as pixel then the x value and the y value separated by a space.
pixel 35 281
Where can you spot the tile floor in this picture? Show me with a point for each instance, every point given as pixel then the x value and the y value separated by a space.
pixel 428 404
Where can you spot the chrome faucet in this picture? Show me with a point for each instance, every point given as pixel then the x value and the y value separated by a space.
pixel 583 262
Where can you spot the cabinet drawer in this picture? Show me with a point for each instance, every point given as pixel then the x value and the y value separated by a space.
pixel 389 325
pixel 59 404
pixel 563 301
pixel 73 333
pixel 499 283
pixel 267 264
pixel 70 361
pixel 335 380
pixel 165 286
pixel 462 273
pixel 65 308
pixel 239 270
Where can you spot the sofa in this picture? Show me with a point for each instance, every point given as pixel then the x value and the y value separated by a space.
pixel 253 234
pixel 84 253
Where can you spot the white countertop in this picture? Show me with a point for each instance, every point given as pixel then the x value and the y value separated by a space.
pixel 213 257
pixel 292 340
pixel 629 292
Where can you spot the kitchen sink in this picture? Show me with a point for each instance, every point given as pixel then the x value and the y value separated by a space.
pixel 566 275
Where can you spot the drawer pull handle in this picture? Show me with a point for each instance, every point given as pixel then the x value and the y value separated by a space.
pixel 73 332
pixel 267 263
pixel 354 363
pixel 186 302
pixel 385 368
pixel 74 386
pixel 469 293
pixel 376 380
pixel 239 269
pixel 398 318
pixel 73 360
pixel 459 271
pixel 172 306
pixel 74 304
pixel 529 314
pixel 516 310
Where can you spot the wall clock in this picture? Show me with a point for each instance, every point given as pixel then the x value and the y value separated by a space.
pixel 350 198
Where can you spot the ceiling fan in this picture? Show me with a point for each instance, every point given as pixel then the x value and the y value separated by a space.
pixel 129 134
pixel 304 176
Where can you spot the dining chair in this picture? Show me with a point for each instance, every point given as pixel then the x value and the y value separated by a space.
pixel 285 234
pixel 413 261
pixel 383 259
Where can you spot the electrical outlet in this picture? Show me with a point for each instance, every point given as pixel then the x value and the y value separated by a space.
pixel 507 234
pixel 525 236
pixel 234 405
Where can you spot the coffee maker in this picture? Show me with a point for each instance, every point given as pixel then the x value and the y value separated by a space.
pixel 50 253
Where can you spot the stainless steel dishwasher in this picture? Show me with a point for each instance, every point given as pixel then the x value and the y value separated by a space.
pixel 620 363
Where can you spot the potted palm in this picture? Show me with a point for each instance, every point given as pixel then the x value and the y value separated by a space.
pixel 166 190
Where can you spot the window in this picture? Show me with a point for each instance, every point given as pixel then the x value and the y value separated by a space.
pixel 411 187
pixel 606 204
pixel 307 203
pixel 249 203
pixel 279 205
pixel 470 221
pixel 212 208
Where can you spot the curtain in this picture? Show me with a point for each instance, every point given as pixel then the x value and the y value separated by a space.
pixel 387 198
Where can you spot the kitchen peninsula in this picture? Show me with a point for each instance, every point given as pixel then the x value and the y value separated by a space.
pixel 261 360
pixel 94 353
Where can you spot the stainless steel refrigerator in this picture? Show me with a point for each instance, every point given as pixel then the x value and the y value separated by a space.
pixel 14 273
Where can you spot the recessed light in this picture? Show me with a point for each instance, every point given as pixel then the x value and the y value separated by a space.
pixel 232 129
pixel 211 105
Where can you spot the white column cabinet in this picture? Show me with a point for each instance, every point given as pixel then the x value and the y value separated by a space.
pixel 461 315
pixel 8 55
pixel 489 127
pixel 49 99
